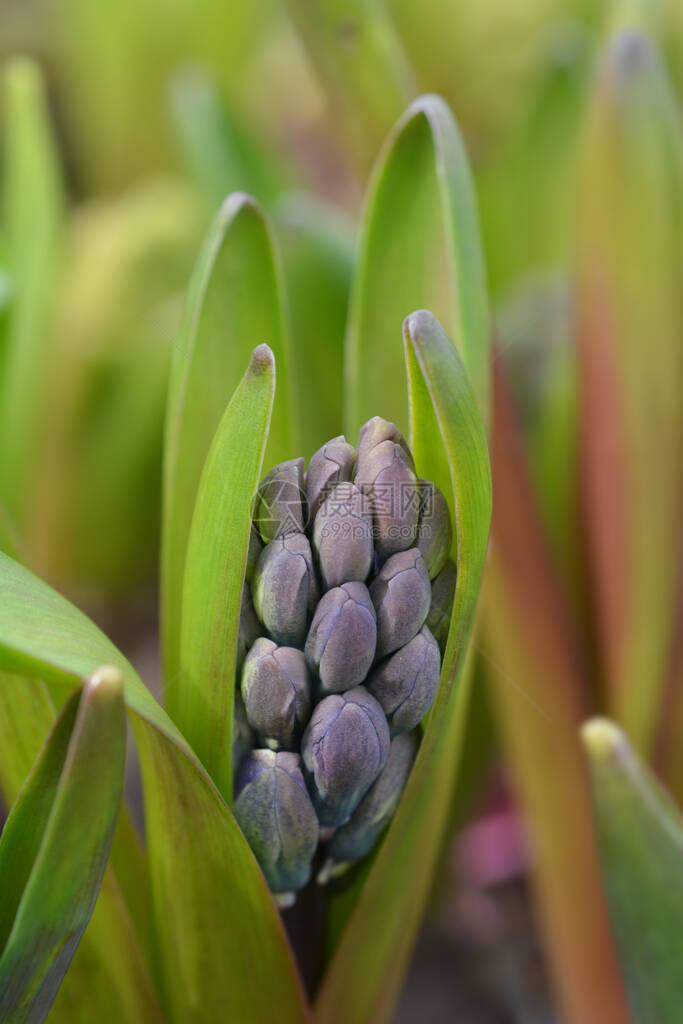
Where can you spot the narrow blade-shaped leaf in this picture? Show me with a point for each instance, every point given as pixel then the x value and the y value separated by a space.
pixel 419 249
pixel 221 153
pixel 629 278
pixel 31 213
pixel 537 674
pixel 222 947
pixel 641 848
pixel 26 717
pixel 234 304
pixel 216 559
pixel 363 979
pixel 362 64
pixel 55 847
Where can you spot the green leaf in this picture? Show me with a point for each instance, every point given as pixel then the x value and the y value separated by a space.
pixel 364 977
pixel 31 215
pixel 537 674
pixel 214 573
pixel 234 304
pixel 55 846
pixel 220 151
pixel 361 62
pixel 101 984
pixel 8 538
pixel 26 717
pixel 317 246
pixel 221 944
pixel 419 249
pixel 629 269
pixel 641 847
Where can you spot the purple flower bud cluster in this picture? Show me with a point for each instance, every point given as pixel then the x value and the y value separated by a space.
pixel 348 566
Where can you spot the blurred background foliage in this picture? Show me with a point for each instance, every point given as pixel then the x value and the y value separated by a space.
pixel 136 119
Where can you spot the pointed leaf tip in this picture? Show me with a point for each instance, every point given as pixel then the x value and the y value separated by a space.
pixel 418 322
pixel 107 681
pixel 235 202
pixel 262 359
pixel 603 739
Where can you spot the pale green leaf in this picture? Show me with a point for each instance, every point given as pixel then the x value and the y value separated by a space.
pixel 222 949
pixel 55 846
pixel 216 559
pixel 362 64
pixel 419 249
pixel 221 152
pixel 31 215
pixel 629 276
pixel 234 304
pixel 641 846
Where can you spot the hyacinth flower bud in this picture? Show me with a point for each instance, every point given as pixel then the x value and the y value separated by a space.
pixel 405 684
pixel 344 748
pixel 250 628
pixel 360 834
pixel 275 813
pixel 242 736
pixel 401 594
pixel 285 589
pixel 342 537
pixel 280 504
pixel 386 477
pixel 434 529
pixel 331 464
pixel 340 647
pixel 253 553
pixel 443 595
pixel 376 432
pixel 276 690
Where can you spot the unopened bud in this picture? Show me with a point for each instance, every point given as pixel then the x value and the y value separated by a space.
pixel 401 594
pixel 253 552
pixel 342 537
pixel 279 509
pixel 375 432
pixel 344 748
pixel 385 475
pixel 285 589
pixel 340 646
pixel 250 628
pixel 331 464
pixel 359 835
pixel 443 595
pixel 405 684
pixel 275 813
pixel 434 531
pixel 242 736
pixel 276 689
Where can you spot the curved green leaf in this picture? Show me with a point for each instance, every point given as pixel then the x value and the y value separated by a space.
pixel 363 979
pixel 419 249
pixel 55 846
pixel 234 304
pixel 222 947
pixel 629 268
pixel 26 717
pixel 214 572
pixel 221 153
pixel 362 64
pixel 31 214
pixel 641 847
